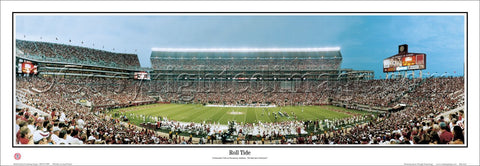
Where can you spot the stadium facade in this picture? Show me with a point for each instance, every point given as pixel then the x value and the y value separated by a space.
pixel 267 63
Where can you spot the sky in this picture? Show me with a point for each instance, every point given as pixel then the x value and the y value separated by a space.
pixel 365 40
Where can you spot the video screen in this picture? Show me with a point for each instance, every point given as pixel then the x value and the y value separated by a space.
pixel 141 76
pixel 27 67
pixel 412 61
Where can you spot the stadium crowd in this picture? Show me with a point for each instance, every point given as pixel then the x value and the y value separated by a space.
pixel 229 93
pixel 365 92
pixel 65 120
pixel 371 92
pixel 422 122
pixel 76 54
pixel 257 64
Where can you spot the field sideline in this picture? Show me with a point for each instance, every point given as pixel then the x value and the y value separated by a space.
pixel 199 113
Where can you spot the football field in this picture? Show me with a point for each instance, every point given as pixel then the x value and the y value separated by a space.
pixel 199 113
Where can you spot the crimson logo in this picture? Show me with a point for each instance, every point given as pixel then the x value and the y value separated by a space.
pixel 17 156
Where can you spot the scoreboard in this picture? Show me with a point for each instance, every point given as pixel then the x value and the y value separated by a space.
pixel 411 61
pixel 405 61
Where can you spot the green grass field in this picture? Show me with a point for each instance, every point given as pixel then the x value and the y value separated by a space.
pixel 200 113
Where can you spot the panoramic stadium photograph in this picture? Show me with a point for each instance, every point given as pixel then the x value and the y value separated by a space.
pixel 308 79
